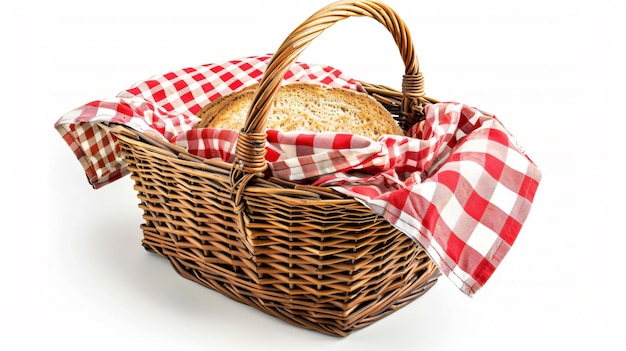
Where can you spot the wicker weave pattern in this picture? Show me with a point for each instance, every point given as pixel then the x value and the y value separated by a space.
pixel 312 258
pixel 304 254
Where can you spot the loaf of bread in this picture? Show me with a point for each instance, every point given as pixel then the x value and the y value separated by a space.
pixel 306 107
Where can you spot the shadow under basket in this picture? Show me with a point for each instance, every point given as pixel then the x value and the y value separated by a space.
pixel 305 254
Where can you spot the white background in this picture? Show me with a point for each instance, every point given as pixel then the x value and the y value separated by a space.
pixel 73 274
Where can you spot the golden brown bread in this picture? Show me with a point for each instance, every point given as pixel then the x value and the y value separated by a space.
pixel 306 107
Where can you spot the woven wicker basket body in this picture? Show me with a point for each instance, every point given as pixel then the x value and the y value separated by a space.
pixel 304 254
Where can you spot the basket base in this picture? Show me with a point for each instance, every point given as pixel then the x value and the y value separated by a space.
pixel 265 300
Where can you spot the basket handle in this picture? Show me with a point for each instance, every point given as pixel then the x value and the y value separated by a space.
pixel 250 151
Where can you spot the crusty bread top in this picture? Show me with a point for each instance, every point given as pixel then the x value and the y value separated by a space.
pixel 306 107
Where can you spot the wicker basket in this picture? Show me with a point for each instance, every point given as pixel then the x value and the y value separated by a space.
pixel 304 254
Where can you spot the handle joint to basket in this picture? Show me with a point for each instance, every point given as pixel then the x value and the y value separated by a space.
pixel 412 107
pixel 413 85
pixel 250 153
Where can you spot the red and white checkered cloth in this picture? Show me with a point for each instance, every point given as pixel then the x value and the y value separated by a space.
pixel 458 183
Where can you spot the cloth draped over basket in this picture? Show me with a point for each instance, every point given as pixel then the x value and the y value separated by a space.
pixel 458 183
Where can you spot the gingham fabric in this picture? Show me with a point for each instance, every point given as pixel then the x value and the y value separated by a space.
pixel 458 183
pixel 165 106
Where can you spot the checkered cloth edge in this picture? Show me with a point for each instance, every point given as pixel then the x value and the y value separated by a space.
pixel 165 106
pixel 458 183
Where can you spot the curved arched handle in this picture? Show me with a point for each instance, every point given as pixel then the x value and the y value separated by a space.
pixel 250 152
